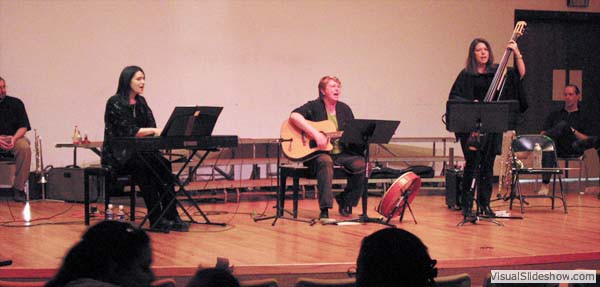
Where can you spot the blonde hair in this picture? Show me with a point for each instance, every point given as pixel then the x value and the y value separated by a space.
pixel 323 82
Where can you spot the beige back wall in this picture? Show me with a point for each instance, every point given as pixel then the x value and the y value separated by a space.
pixel 258 59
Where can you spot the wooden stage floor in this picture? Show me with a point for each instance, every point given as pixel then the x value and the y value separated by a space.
pixel 544 236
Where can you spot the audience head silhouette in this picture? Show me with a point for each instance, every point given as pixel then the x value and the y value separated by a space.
pixel 110 253
pixel 213 277
pixel 394 257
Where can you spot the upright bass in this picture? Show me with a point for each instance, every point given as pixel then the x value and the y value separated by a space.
pixel 495 90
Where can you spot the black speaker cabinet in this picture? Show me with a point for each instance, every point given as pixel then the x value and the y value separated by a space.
pixel 35 187
pixel 454 179
pixel 67 184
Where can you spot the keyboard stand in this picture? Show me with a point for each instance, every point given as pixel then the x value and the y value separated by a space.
pixel 181 188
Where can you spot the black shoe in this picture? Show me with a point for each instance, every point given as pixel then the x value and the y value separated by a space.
pixel 467 212
pixel 19 195
pixel 163 226
pixel 343 208
pixel 487 211
pixel 324 213
pixel 179 225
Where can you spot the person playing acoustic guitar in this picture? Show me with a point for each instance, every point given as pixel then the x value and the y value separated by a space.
pixel 328 108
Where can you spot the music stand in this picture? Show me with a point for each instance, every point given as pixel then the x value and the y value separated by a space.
pixel 191 121
pixel 363 132
pixel 479 117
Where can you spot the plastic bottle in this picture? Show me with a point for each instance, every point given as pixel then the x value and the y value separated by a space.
pixel 110 215
pixel 76 136
pixel 537 156
pixel 121 214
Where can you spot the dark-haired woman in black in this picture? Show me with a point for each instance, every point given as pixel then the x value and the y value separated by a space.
pixel 128 115
pixel 472 84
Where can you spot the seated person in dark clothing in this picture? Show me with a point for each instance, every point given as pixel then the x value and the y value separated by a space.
pixel 129 115
pixel 328 108
pixel 14 124
pixel 569 129
pixel 110 253
pixel 394 257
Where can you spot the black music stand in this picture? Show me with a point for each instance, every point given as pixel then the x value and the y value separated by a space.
pixel 191 121
pixel 361 132
pixel 179 185
pixel 480 117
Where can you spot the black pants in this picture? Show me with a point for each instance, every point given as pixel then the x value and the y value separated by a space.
pixel 563 138
pixel 153 174
pixel 482 162
pixel 322 168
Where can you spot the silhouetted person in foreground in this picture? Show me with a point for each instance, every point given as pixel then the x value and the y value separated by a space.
pixel 394 257
pixel 111 253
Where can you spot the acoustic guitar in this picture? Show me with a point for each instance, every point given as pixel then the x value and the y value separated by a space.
pixel 297 146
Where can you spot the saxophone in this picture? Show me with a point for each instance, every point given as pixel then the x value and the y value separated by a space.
pixel 506 162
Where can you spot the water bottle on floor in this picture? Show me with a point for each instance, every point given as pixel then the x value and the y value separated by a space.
pixel 121 214
pixel 110 215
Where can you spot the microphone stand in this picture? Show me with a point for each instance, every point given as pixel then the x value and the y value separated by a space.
pixel 280 192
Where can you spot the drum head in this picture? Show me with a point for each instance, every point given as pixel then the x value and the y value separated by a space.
pixel 392 202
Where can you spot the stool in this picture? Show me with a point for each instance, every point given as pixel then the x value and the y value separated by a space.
pixel 297 172
pixel 106 173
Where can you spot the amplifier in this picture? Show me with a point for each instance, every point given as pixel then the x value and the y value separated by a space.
pixel 67 184
pixel 35 187
pixel 454 179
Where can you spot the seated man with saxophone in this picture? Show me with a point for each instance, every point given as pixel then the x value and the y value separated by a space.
pixel 569 129
pixel 14 123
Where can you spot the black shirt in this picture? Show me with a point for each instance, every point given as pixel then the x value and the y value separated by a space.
pixel 469 86
pixel 12 116
pixel 315 111
pixel 123 120
pixel 575 119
